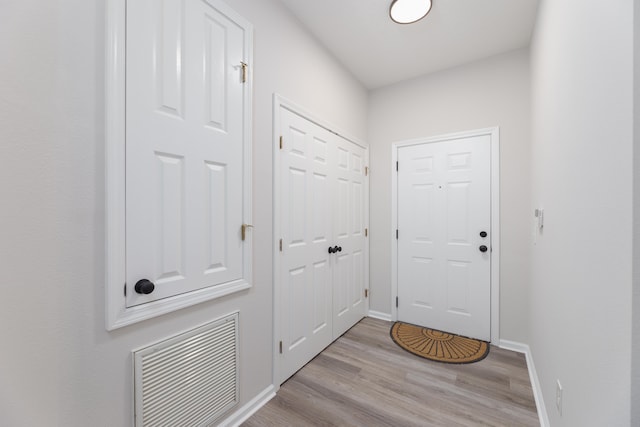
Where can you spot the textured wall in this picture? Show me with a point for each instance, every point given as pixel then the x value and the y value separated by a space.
pixel 582 175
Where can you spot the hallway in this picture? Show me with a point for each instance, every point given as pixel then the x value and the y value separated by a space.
pixel 364 379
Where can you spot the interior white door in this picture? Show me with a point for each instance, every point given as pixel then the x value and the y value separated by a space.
pixel 184 150
pixel 444 210
pixel 322 262
pixel 306 273
pixel 348 235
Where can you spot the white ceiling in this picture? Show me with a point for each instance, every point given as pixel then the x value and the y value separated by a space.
pixel 379 52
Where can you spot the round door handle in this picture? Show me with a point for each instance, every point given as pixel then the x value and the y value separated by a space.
pixel 483 248
pixel 144 287
pixel 483 234
pixel 331 250
pixel 339 248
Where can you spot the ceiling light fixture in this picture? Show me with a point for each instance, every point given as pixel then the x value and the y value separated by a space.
pixel 409 11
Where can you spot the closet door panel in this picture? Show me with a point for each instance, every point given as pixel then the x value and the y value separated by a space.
pixel 306 299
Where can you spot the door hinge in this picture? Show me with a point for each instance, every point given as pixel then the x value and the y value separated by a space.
pixel 397 234
pixel 125 289
pixel 280 347
pixel 366 232
pixel 280 245
pixel 281 144
pixel 244 71
pixel 244 230
pixel 366 171
pixel 397 167
pixel 366 293
pixel 396 302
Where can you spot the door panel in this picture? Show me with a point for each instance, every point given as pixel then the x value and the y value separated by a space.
pixel 321 206
pixel 184 156
pixel 349 302
pixel 306 293
pixel 444 202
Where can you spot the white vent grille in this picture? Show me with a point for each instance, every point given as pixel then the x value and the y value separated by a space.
pixel 188 380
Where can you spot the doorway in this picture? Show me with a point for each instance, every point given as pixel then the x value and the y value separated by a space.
pixel 445 247
pixel 321 235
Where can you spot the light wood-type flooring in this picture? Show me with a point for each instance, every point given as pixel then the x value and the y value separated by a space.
pixel 364 379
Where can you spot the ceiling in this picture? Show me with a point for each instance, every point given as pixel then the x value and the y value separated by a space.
pixel 360 34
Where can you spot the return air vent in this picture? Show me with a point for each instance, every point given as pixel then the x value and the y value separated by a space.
pixel 190 379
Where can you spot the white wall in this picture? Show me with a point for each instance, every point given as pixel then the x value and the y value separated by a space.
pixel 582 175
pixel 635 349
pixel 492 92
pixel 58 365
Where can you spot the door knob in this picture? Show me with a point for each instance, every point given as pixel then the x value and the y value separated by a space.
pixel 483 234
pixel 339 248
pixel 144 286
pixel 331 250
pixel 483 248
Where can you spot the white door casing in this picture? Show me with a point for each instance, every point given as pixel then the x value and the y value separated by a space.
pixel 184 148
pixel 443 199
pixel 320 202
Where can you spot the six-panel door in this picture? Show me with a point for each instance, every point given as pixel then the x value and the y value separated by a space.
pixel 444 204
pixel 321 207
pixel 184 148
pixel 306 225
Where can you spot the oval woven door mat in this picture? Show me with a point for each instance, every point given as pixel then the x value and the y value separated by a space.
pixel 437 345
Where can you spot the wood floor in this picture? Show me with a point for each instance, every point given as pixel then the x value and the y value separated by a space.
pixel 364 379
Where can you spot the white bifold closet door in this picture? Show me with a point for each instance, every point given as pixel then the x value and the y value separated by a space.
pixel 322 206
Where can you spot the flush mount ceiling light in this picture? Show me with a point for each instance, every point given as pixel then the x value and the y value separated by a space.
pixel 409 11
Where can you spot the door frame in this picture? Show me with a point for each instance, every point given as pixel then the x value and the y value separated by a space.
pixel 281 102
pixel 494 135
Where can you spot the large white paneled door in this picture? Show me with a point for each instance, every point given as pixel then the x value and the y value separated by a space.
pixel 186 177
pixel 444 234
pixel 321 259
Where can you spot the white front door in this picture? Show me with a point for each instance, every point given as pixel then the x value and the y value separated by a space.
pixel 444 236
pixel 322 260
pixel 184 148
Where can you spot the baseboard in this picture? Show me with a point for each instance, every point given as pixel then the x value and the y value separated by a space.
pixel 243 414
pixel 379 315
pixel 533 377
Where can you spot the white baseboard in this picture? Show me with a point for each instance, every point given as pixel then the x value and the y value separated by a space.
pixel 533 377
pixel 379 315
pixel 243 414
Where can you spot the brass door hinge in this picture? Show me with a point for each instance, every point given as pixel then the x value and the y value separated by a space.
pixel 366 293
pixel 280 347
pixel 244 71
pixel 280 245
pixel 366 232
pixel 244 230
pixel 366 171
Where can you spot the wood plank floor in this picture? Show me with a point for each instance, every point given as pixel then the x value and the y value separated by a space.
pixel 364 379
